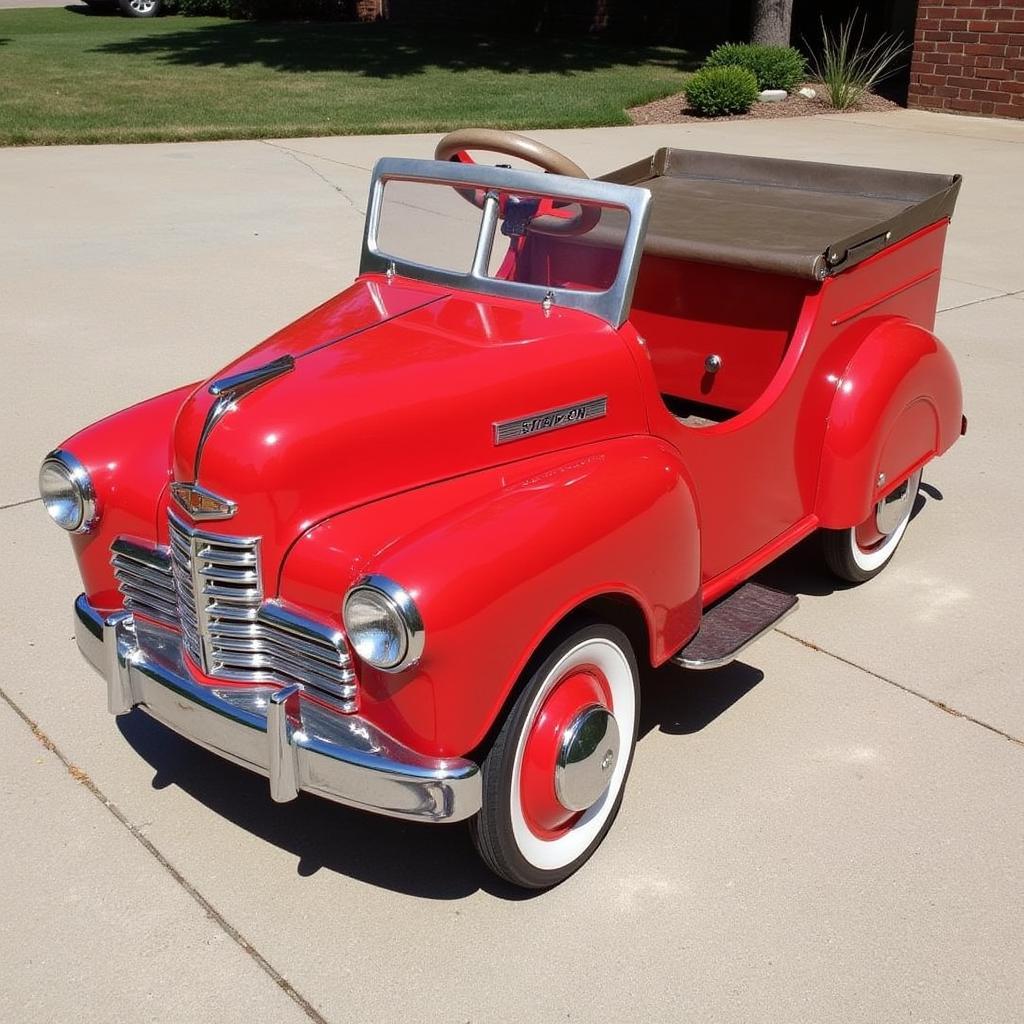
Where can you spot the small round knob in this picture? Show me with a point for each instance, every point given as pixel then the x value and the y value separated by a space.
pixel 713 363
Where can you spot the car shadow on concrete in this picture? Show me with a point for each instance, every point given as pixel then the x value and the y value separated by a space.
pixel 681 702
pixel 431 862
pixel 801 570
pixel 439 862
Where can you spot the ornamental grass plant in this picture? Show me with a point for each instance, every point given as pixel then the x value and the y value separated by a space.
pixel 847 68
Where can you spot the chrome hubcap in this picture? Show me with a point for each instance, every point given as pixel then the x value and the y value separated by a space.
pixel 586 758
pixel 895 507
pixel 142 6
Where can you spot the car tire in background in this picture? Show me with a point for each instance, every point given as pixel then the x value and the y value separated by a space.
pixel 140 8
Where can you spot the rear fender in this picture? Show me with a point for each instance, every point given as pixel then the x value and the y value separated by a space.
pixel 495 560
pixel 897 405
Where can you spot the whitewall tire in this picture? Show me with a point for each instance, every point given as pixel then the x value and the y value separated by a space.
pixel 861 553
pixel 554 778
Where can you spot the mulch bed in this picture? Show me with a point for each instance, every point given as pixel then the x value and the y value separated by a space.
pixel 674 109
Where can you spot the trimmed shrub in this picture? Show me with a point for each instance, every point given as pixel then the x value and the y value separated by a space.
pixel 726 90
pixel 774 67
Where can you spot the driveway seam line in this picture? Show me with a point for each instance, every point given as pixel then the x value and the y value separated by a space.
pixel 940 705
pixel 977 302
pixel 309 167
pixel 15 504
pixel 342 163
pixel 147 844
pixel 921 131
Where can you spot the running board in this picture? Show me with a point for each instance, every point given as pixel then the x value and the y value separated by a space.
pixel 734 624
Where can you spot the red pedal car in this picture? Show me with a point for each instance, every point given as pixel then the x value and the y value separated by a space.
pixel 409 552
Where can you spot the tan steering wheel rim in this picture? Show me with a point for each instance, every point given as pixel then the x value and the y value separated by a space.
pixel 494 140
pixel 508 144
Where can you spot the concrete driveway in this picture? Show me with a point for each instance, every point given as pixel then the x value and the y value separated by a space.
pixel 830 830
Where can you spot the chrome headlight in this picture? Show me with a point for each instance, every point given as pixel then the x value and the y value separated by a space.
pixel 383 624
pixel 67 492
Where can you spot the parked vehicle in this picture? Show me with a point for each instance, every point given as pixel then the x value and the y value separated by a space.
pixel 409 552
pixel 131 8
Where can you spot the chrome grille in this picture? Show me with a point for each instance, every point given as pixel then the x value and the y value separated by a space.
pixel 218 584
pixel 210 587
pixel 144 575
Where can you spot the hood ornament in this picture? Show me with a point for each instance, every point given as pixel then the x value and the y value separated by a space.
pixel 200 503
pixel 228 390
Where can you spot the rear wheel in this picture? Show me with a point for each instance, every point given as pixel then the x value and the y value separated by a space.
pixel 553 781
pixel 861 553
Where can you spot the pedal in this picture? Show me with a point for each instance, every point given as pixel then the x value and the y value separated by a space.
pixel 734 624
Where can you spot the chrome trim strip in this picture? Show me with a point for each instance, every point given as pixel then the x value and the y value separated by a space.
pixel 80 477
pixel 550 419
pixel 612 305
pixel 274 731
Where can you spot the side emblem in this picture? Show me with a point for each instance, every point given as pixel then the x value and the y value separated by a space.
pixel 552 419
pixel 200 503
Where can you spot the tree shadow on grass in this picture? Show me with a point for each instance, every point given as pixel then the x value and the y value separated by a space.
pixel 384 51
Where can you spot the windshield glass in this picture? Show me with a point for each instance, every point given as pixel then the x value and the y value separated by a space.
pixel 502 231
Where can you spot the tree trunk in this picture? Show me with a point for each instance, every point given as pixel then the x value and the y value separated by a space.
pixel 773 21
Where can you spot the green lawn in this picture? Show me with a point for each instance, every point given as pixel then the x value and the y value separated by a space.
pixel 69 77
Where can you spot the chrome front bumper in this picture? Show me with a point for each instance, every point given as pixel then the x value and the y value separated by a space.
pixel 276 731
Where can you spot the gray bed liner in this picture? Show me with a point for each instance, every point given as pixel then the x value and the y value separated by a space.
pixel 790 217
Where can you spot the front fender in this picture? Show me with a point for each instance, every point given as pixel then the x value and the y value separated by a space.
pixel 128 457
pixel 494 560
pixel 897 405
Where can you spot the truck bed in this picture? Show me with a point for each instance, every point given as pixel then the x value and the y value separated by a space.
pixel 792 217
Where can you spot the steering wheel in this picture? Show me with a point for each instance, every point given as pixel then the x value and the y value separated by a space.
pixel 552 218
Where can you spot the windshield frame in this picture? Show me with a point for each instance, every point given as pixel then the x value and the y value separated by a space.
pixel 611 305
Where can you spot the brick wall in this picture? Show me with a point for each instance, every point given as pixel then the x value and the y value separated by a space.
pixel 369 10
pixel 969 57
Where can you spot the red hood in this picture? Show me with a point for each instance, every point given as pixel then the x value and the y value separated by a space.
pixel 395 386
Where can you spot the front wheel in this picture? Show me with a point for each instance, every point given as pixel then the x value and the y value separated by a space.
pixel 140 8
pixel 861 553
pixel 553 781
